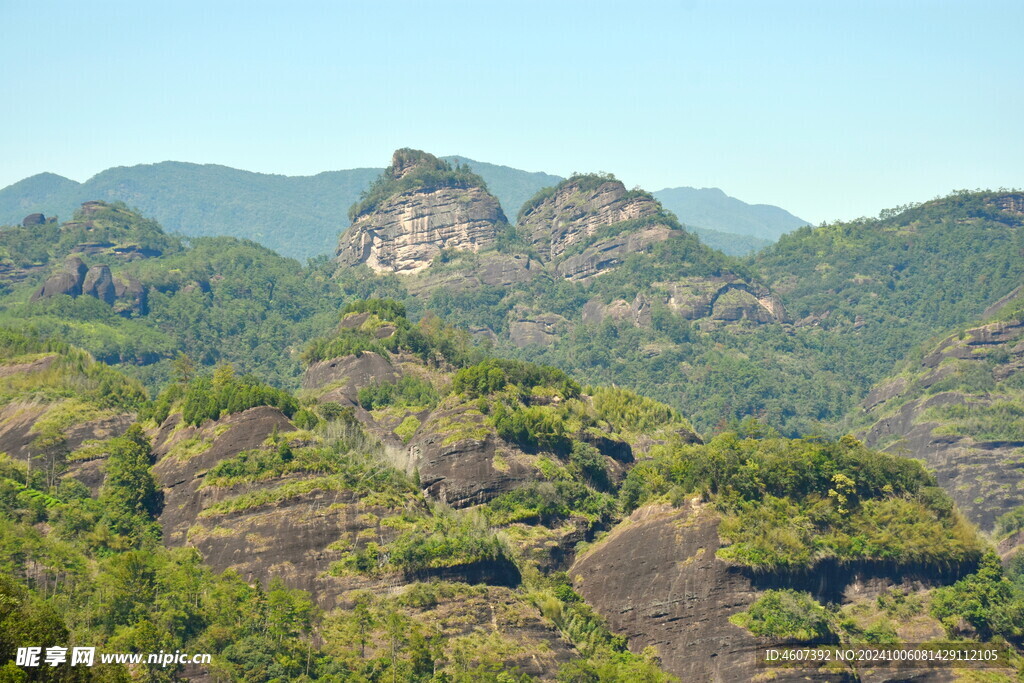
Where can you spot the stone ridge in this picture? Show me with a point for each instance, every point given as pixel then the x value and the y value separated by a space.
pixel 403 232
pixel 658 581
pixel 577 210
pixel 983 475
pixel 406 232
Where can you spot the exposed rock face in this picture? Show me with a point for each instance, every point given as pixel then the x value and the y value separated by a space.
pixel 131 296
pixel 345 376
pixel 33 219
pixel 453 451
pixel 406 231
pixel 722 299
pixel 462 466
pixel 490 269
pixel 657 580
pixel 181 477
pixel 68 280
pixel 99 283
pixel 578 209
pixel 127 296
pixel 981 472
pixel 536 330
pixel 604 255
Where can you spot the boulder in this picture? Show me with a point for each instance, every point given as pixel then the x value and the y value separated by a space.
pixel 67 281
pixel 100 284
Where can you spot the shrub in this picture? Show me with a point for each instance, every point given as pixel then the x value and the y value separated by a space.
pixel 787 615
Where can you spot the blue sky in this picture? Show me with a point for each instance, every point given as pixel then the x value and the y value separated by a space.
pixel 830 109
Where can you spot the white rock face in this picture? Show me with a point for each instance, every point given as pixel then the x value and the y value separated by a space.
pixel 573 214
pixel 406 232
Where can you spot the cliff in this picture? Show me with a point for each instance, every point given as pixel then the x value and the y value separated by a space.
pixel 657 579
pixel 419 207
pixel 958 408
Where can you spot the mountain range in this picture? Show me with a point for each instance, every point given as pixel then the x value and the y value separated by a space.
pixel 300 216
pixel 571 444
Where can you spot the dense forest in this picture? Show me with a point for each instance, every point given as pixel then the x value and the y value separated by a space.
pixel 184 417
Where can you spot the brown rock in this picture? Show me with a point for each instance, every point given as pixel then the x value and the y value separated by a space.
pixel 983 475
pixel 657 580
pixel 132 298
pixel 100 284
pixel 462 470
pixel 33 219
pixel 180 479
pixel 66 281
pixel 607 254
pixel 405 232
pixel 536 330
pixel 576 211
pixel 345 376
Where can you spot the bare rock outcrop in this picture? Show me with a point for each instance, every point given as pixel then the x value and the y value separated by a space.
pixel 405 231
pixel 578 208
pixel 68 280
pixel 539 329
pixel 723 299
pixel 929 413
pixel 126 294
pixel 658 581
pixel 179 471
pixel 99 283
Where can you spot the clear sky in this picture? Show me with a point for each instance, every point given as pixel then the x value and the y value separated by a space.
pixel 828 108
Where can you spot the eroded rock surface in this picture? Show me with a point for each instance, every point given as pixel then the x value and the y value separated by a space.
pixel 578 209
pixel 404 232
pixel 931 412
pixel 657 580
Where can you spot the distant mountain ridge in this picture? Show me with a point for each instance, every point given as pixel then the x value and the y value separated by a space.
pixel 301 216
pixel 713 209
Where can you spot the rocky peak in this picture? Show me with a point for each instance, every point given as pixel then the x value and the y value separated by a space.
pixel 404 161
pixel 418 207
pixel 577 208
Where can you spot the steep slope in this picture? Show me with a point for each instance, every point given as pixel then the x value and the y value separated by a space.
pixel 300 216
pixel 115 284
pixel 297 216
pixel 897 280
pixel 958 406
pixel 57 404
pixel 762 521
pixel 419 207
pixel 430 498
pixel 600 280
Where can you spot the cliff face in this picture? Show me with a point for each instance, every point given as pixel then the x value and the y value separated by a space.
pixel 580 207
pixel 427 210
pixel 657 580
pixel 958 409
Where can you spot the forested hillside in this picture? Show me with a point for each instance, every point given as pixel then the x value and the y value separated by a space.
pixel 430 456
pixel 424 511
pixel 300 216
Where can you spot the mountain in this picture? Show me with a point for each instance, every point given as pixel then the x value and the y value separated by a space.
pixel 297 216
pixel 876 288
pixel 730 243
pixel 958 405
pixel 710 208
pixel 425 507
pixel 581 446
